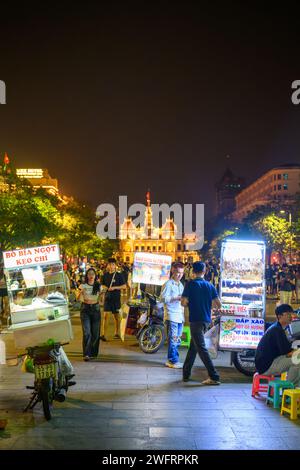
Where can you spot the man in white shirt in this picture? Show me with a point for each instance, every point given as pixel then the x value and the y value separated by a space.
pixel 174 314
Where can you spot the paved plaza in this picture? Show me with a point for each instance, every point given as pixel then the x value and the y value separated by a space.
pixel 129 400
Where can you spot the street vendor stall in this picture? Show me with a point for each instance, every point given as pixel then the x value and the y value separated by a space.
pixel 37 295
pixel 242 294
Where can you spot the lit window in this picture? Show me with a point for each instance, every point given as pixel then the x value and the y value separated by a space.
pixel 285 187
pixel 285 176
pixel 279 187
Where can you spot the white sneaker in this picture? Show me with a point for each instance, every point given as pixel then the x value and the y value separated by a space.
pixel 177 365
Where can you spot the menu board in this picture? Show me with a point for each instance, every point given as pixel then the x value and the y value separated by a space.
pixel 240 332
pixel 151 269
pixel 242 273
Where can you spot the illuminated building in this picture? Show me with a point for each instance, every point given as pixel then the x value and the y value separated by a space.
pixel 277 187
pixel 39 178
pixel 150 239
pixel 226 191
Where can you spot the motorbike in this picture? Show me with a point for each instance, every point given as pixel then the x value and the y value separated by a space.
pixel 150 326
pixel 50 380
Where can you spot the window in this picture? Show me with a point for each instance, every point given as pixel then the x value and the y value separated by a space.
pixel 285 187
pixel 154 248
pixel 178 247
pixel 148 248
pixel 142 248
pixel 285 176
pixel 274 187
pixel 127 258
pixel 159 248
pixel 279 187
pixel 136 248
pixel 274 177
pixel 279 176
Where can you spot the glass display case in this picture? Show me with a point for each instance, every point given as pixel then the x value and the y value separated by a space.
pixel 37 295
pixel 242 294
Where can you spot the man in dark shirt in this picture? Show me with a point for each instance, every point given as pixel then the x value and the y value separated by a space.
pixel 113 282
pixel 274 353
pixel 199 295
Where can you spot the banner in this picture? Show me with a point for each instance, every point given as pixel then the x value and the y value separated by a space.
pixel 240 332
pixel 31 256
pixel 151 269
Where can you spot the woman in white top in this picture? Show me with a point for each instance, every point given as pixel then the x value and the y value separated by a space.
pixel 89 295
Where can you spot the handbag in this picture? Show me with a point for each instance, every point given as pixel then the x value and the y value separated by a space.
pixel 108 295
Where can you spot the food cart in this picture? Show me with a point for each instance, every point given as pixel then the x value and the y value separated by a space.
pixel 37 295
pixel 243 297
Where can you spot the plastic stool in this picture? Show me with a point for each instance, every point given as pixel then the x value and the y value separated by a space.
pixel 276 386
pixel 186 336
pixel 293 396
pixel 260 383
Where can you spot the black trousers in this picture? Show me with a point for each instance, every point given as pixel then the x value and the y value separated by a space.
pixel 90 322
pixel 197 345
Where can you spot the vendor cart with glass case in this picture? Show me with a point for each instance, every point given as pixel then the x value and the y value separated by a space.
pixel 243 297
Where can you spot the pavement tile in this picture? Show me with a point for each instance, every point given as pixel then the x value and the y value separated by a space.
pixel 163 413
pixel 158 432
pixel 171 444
pixel 237 444
pixel 292 443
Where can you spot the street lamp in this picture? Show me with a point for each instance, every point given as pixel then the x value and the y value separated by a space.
pixel 290 224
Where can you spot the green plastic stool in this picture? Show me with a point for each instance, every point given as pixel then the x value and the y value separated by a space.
pixel 186 336
pixel 276 386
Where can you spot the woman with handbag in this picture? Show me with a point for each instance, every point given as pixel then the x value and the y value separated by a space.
pixel 89 295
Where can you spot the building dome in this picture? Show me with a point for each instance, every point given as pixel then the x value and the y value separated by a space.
pixel 168 229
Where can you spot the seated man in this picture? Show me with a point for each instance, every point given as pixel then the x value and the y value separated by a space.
pixel 274 352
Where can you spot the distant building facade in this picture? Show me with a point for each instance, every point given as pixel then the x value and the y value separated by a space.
pixel 39 178
pixel 158 240
pixel 277 187
pixel 226 191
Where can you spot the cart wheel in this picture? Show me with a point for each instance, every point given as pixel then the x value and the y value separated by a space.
pixel 244 362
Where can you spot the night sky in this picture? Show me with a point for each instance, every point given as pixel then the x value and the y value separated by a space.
pixel 118 98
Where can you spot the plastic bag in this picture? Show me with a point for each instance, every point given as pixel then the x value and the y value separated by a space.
pixel 212 341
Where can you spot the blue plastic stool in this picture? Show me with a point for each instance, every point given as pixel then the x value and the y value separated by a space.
pixel 276 386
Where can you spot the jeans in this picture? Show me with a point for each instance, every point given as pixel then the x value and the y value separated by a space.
pixel 174 330
pixel 197 345
pixel 286 364
pixel 90 321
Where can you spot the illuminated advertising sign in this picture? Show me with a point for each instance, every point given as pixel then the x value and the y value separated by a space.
pixel 240 332
pixel 243 273
pixel 151 269
pixel 31 256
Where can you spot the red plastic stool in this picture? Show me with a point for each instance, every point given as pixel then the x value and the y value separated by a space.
pixel 260 383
